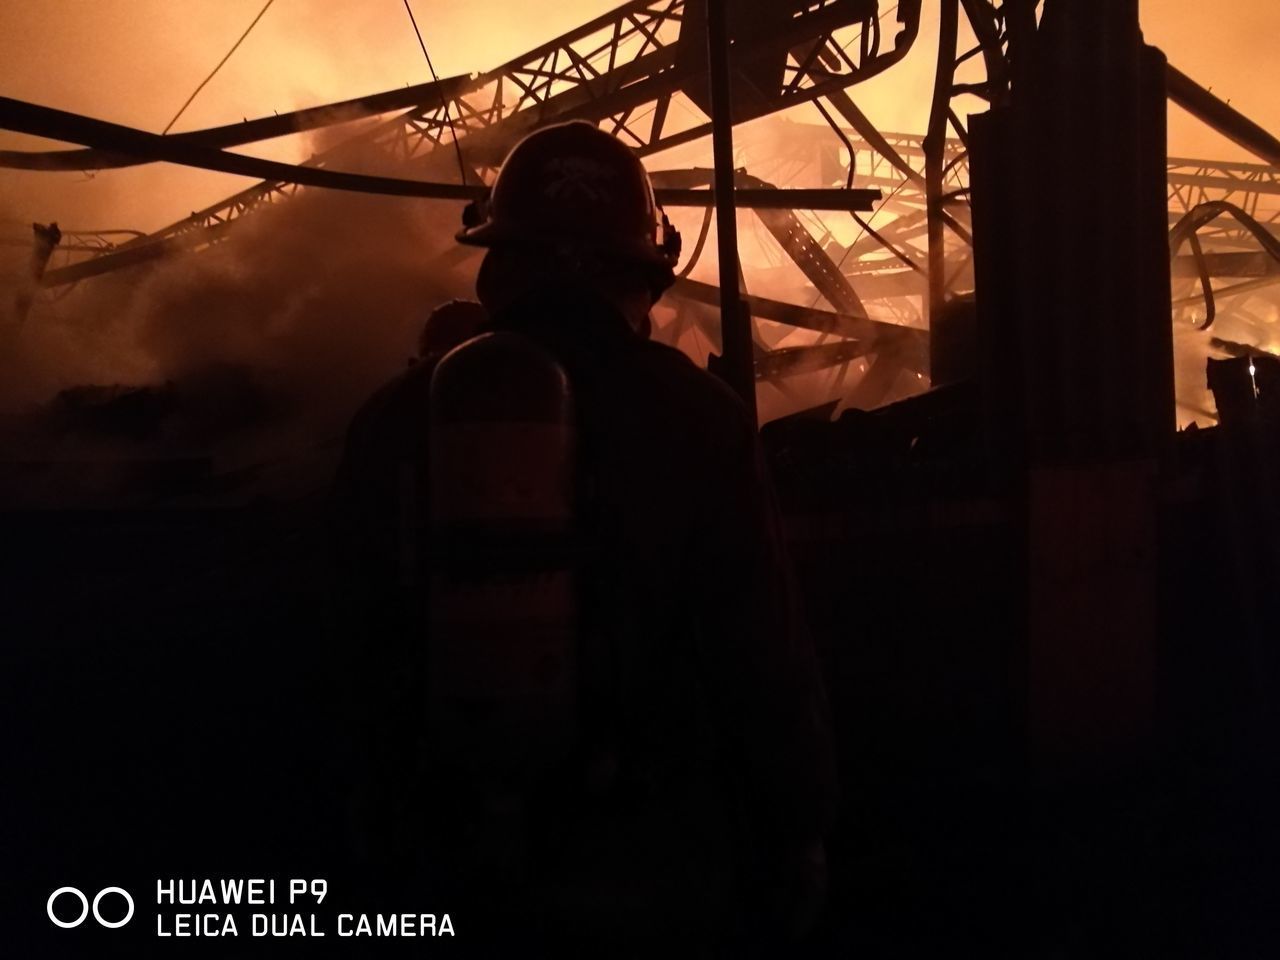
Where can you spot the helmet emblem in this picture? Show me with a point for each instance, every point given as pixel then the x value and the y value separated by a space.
pixel 578 179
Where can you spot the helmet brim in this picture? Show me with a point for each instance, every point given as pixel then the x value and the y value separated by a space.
pixel 491 234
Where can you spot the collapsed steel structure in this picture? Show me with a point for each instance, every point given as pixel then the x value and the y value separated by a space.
pixel 640 72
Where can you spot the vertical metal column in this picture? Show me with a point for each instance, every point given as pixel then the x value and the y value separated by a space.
pixel 1074 312
pixel 935 150
pixel 737 367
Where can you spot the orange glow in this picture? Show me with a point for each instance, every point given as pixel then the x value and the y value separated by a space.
pixel 135 61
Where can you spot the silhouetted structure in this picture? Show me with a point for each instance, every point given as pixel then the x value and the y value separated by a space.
pixel 1047 620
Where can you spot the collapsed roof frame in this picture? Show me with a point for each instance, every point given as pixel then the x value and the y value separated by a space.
pixel 623 69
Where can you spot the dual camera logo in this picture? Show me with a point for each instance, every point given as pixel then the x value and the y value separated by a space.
pixel 84 907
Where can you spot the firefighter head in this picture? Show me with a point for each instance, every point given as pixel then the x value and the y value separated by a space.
pixel 573 205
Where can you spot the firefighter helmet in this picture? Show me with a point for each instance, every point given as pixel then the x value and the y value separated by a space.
pixel 574 185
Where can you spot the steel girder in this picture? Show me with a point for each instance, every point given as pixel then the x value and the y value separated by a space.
pixel 615 71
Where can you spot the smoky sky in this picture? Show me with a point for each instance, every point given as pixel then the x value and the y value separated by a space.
pixel 135 61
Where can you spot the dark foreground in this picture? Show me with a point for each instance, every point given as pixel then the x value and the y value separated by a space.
pixel 169 670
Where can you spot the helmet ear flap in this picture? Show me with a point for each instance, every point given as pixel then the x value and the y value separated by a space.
pixel 668 242
pixel 671 243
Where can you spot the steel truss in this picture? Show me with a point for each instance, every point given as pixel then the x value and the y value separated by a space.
pixel 639 72
pixel 623 71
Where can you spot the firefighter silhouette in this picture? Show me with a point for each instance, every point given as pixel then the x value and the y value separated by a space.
pixel 626 736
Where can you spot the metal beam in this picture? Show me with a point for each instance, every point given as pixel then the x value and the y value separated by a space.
pixel 809 318
pixel 735 365
pixel 247 131
pixel 1225 119
pixel 39 121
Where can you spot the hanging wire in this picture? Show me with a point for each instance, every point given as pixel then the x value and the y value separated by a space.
pixel 234 46
pixel 444 101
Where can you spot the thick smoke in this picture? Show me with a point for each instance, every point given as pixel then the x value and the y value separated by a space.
pixel 280 330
